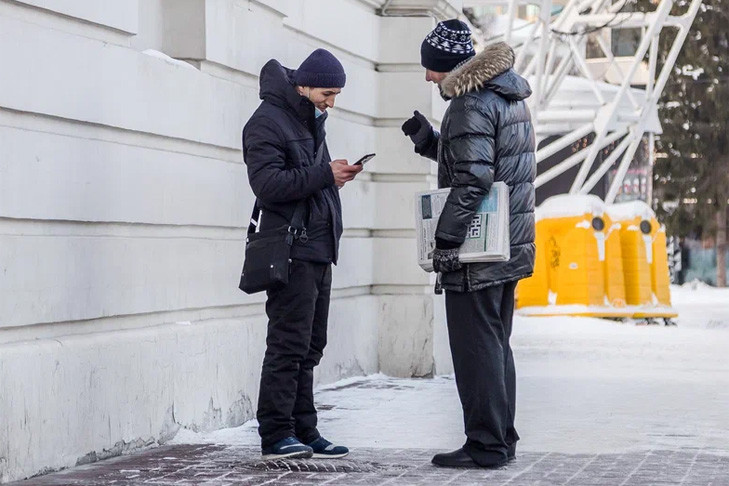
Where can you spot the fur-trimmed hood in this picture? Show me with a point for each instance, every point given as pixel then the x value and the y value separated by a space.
pixel 489 69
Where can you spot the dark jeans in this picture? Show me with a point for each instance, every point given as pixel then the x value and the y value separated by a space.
pixel 479 328
pixel 297 334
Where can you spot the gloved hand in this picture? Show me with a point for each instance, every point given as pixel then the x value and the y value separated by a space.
pixel 418 128
pixel 446 260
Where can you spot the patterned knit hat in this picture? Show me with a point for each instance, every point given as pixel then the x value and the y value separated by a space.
pixel 320 70
pixel 448 45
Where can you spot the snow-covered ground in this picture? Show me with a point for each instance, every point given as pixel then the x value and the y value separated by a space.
pixel 584 386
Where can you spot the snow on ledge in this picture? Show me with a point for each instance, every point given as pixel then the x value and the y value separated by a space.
pixel 630 210
pixel 569 205
pixel 168 59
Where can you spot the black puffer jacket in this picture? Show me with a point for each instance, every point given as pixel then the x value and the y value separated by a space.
pixel 486 136
pixel 280 144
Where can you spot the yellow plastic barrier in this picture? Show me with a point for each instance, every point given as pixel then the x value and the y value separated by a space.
pixel 575 266
pixel 637 249
pixel 645 260
pixel 614 279
pixel 580 273
pixel 660 278
pixel 597 260
pixel 534 291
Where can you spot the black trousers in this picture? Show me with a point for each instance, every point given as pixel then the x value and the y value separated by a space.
pixel 479 328
pixel 297 335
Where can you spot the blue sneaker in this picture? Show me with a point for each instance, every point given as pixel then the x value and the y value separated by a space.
pixel 290 448
pixel 323 449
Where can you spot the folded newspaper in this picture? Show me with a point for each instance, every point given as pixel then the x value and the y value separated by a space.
pixel 487 239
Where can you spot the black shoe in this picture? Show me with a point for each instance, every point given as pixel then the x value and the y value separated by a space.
pixel 511 452
pixel 457 458
pixel 288 448
pixel 323 449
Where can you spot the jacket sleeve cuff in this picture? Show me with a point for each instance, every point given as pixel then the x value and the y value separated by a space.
pixel 442 244
pixel 328 175
pixel 427 141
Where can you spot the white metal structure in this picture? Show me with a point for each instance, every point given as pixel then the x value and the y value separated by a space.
pixel 551 52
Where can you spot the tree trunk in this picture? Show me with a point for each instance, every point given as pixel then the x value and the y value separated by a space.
pixel 721 245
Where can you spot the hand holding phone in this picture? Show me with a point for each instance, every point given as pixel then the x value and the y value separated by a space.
pixel 364 159
pixel 343 172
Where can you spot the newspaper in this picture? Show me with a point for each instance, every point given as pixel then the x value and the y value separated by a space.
pixel 487 239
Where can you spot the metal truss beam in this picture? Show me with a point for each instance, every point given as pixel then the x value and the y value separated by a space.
pixel 553 48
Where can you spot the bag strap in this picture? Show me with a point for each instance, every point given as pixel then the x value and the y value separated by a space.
pixel 296 227
pixel 297 218
pixel 255 214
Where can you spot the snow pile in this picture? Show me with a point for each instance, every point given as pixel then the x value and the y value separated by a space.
pixel 630 210
pixel 569 205
pixel 168 59
pixel 696 284
pixel 701 306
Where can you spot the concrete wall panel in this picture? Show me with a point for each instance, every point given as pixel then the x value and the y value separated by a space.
pixel 121 15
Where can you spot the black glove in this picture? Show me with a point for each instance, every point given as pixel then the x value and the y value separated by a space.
pixel 445 261
pixel 418 128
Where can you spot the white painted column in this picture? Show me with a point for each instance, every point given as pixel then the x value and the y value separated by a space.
pixel 413 338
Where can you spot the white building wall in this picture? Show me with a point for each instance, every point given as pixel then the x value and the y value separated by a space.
pixel 124 202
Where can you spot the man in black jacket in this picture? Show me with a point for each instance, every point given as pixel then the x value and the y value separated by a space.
pixel 486 136
pixel 288 162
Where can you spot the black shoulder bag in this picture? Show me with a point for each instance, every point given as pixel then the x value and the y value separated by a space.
pixel 268 253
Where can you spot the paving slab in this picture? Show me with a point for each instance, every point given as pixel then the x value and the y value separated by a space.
pixel 218 465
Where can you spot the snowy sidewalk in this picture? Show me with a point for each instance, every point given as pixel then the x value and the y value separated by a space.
pixel 233 465
pixel 599 403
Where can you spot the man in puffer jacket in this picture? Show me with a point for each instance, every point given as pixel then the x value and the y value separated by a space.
pixel 486 136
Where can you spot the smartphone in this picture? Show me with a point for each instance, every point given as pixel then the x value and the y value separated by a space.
pixel 364 159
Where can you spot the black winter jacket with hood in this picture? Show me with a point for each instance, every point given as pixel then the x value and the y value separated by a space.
pixel 486 136
pixel 280 144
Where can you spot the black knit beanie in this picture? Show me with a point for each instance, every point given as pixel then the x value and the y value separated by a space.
pixel 448 45
pixel 320 70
